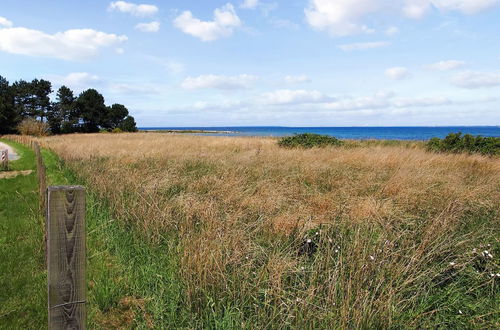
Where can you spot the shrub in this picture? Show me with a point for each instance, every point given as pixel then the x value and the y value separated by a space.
pixel 117 130
pixel 456 143
pixel 308 140
pixel 30 126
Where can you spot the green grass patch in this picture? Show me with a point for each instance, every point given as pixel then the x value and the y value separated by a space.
pixel 308 140
pixel 457 143
pixel 23 288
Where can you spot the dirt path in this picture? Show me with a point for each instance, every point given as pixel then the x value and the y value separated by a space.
pixel 12 154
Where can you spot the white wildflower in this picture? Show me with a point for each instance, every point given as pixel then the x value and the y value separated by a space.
pixel 452 264
pixel 309 240
pixel 372 258
pixel 460 312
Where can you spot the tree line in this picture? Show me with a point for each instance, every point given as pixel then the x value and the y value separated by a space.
pixel 86 113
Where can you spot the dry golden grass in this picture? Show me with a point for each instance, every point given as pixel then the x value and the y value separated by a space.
pixel 384 220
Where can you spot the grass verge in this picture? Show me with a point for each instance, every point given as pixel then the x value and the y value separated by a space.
pixel 22 273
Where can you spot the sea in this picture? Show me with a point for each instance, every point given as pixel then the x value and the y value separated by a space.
pixel 382 133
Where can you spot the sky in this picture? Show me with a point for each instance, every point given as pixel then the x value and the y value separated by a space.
pixel 266 62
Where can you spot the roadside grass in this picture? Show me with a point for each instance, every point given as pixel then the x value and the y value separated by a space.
pixel 131 284
pixel 22 274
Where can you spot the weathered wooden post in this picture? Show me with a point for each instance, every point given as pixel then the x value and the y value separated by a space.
pixel 4 159
pixel 66 257
pixel 42 181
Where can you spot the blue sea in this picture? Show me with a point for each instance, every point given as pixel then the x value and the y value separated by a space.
pixel 383 133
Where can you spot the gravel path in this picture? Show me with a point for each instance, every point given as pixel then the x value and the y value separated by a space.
pixel 12 154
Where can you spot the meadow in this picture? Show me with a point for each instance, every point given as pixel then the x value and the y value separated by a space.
pixel 369 234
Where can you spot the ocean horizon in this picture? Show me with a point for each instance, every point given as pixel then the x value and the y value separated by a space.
pixel 379 133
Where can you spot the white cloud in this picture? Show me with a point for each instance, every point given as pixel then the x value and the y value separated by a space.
pixel 219 82
pixel 148 27
pixel 469 7
pixel 420 102
pixel 74 44
pixel 297 79
pixel 446 65
pixel 474 79
pixel 141 10
pixel 391 31
pixel 340 17
pixel 287 96
pixel 364 45
pixel 397 73
pixel 75 80
pixel 250 4
pixel 415 8
pixel 5 22
pixel 225 20
pixel 345 17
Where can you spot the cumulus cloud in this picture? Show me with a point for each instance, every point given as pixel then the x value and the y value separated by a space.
pixel 75 80
pixel 345 17
pixel 219 82
pixel 141 10
pixel 474 79
pixel 287 96
pixel 297 79
pixel 340 17
pixel 397 73
pixel 225 21
pixel 148 27
pixel 76 44
pixel 250 4
pixel 446 65
pixel 5 22
pixel 364 45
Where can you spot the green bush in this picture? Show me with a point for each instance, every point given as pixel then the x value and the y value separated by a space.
pixel 456 143
pixel 308 140
pixel 117 130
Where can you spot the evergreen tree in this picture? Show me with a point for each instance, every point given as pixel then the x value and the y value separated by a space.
pixel 115 116
pixel 24 101
pixel 8 115
pixel 93 111
pixel 63 116
pixel 41 90
pixel 128 124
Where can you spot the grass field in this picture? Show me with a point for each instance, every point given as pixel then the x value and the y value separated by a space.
pixel 372 234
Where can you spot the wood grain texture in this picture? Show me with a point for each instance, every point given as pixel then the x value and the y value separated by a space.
pixel 66 257
pixel 4 159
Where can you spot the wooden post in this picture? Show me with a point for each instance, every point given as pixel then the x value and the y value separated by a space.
pixel 42 185
pixel 66 257
pixel 4 159
pixel 42 181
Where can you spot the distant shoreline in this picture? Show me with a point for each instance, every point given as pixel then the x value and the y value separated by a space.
pixel 356 133
pixel 186 131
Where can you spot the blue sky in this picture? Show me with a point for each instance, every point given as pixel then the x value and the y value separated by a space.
pixel 266 62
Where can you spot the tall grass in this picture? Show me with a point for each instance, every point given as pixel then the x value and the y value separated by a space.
pixel 380 235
